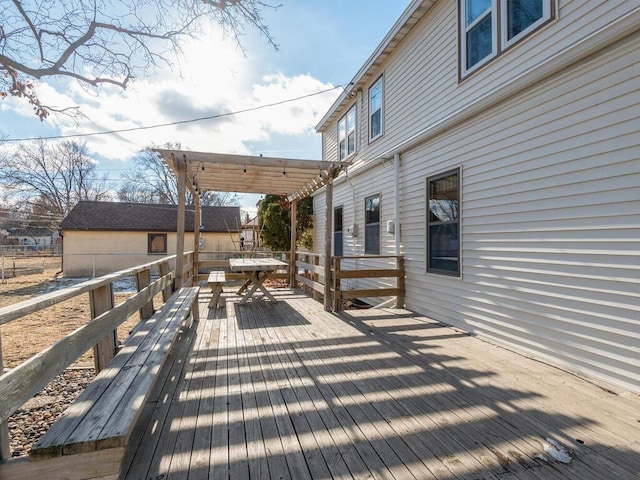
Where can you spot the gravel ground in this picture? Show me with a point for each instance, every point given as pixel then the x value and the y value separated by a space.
pixel 30 422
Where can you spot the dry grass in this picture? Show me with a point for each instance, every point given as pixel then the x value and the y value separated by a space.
pixel 25 337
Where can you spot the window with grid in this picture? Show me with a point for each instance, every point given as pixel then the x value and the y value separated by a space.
pixel 443 223
pixel 375 109
pixel 337 231
pixel 347 134
pixel 372 225
pixel 481 39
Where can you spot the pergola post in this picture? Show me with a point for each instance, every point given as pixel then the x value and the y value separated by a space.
pixel 328 229
pixel 196 237
pixel 182 182
pixel 294 240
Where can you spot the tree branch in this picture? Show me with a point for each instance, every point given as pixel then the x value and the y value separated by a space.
pixel 78 40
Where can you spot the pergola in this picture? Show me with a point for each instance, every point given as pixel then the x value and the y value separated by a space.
pixel 201 172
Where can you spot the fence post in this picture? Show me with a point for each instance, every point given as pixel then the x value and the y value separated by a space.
pixel 143 279
pixel 101 300
pixel 5 442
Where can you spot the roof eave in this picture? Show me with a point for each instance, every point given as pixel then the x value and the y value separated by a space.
pixel 412 14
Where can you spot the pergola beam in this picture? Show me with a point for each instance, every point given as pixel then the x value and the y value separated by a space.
pixel 218 172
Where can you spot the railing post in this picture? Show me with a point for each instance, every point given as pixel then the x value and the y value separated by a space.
pixel 400 282
pixel 316 276
pixel 335 280
pixel 5 441
pixel 143 279
pixel 164 270
pixel 101 300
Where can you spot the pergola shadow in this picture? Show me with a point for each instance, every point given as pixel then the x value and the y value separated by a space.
pixel 287 390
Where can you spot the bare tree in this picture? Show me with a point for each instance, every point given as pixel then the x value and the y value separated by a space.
pixel 105 42
pixel 151 181
pixel 49 178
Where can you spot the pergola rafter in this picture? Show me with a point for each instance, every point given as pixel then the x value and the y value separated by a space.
pixel 201 172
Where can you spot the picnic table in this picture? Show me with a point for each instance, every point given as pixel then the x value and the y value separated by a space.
pixel 255 271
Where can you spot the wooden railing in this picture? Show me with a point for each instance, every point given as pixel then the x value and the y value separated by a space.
pixel 21 383
pixel 311 275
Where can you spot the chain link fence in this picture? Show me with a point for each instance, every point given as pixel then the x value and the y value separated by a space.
pixel 19 260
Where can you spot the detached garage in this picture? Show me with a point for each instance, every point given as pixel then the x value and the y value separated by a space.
pixel 104 237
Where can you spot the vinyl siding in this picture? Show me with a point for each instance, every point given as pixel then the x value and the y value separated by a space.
pixel 550 208
pixel 550 221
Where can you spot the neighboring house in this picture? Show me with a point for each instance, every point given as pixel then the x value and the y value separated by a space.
pixel 104 237
pixel 496 146
pixel 250 236
pixel 36 238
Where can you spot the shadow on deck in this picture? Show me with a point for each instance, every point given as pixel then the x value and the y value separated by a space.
pixel 287 390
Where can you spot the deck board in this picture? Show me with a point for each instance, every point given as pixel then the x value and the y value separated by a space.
pixel 289 391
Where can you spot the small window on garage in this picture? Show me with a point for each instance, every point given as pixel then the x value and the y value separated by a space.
pixel 157 244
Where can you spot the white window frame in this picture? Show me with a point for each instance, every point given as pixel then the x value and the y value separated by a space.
pixel 500 40
pixel 372 245
pixel 506 42
pixel 464 29
pixel 349 130
pixel 457 222
pixel 379 81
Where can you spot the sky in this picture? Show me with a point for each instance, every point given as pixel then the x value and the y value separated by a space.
pixel 321 45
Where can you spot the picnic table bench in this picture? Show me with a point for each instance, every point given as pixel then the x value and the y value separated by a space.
pixel 216 281
pixel 96 427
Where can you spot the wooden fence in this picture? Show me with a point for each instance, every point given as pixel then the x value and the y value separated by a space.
pixel 21 383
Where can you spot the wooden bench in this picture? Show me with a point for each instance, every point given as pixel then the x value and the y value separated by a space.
pixel 97 426
pixel 216 281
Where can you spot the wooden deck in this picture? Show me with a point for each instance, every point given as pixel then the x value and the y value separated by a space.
pixel 288 391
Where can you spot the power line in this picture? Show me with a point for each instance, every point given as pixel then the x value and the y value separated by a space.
pixel 180 122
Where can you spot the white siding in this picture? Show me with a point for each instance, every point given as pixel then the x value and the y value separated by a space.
pixel 550 221
pixel 550 191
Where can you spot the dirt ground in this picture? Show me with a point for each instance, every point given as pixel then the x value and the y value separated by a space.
pixel 33 333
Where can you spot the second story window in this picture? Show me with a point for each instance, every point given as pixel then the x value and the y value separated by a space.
pixel 347 134
pixel 375 110
pixel 521 17
pixel 480 37
pixel 479 33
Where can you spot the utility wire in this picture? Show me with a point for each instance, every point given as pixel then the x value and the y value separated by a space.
pixel 179 122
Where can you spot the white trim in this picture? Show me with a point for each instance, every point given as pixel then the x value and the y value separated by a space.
pixel 379 81
pixel 413 13
pixel 493 12
pixel 505 41
pixel 347 131
pixel 588 45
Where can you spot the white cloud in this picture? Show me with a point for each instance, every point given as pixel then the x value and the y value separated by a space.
pixel 215 78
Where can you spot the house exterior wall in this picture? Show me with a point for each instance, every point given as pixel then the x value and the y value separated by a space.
pixel 550 196
pixel 88 253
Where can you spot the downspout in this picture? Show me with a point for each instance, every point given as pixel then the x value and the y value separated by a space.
pixel 396 199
